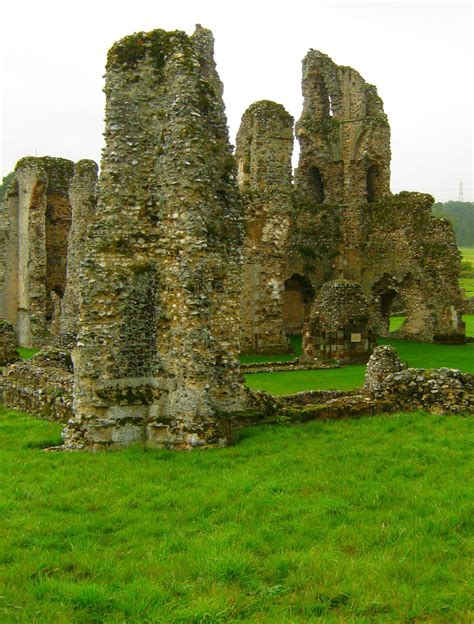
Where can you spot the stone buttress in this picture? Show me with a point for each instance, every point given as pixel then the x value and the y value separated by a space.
pixel 83 200
pixel 156 355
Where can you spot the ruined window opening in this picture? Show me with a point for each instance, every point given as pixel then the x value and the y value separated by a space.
pixel 316 185
pixel 331 109
pixel 372 180
pixel 386 301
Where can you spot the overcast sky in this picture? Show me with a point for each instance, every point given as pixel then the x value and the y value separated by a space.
pixel 418 54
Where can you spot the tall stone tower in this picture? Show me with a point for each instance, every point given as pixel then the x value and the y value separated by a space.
pixel 263 153
pixel 156 355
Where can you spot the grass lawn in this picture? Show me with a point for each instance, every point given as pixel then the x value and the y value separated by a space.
pixel 415 354
pixel 26 353
pixel 347 521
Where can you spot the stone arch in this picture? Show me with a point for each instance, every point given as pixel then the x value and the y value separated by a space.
pixel 384 293
pixel 406 296
pixel 298 294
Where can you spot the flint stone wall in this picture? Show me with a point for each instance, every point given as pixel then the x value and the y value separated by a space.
pixel 338 327
pixel 41 385
pixel 263 151
pixel 156 355
pixel 8 352
pixel 83 201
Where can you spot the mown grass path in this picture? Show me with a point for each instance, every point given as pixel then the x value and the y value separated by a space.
pixel 350 521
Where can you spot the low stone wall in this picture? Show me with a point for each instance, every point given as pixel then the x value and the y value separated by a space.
pixel 292 365
pixel 41 386
pixel 8 352
pixel 440 390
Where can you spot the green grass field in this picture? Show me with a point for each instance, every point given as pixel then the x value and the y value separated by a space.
pixel 415 354
pixel 467 281
pixel 357 521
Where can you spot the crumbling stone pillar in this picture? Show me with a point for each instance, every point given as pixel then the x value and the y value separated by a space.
pixel 343 133
pixel 263 153
pixel 156 354
pixel 82 196
pixel 36 215
pixel 338 328
pixel 344 139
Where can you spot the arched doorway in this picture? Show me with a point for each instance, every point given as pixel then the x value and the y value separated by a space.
pixel 297 297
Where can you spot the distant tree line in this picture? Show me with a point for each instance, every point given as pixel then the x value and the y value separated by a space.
pixel 461 215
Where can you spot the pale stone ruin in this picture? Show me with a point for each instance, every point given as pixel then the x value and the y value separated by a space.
pixel 159 272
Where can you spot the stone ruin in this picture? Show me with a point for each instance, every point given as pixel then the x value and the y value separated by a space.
pixel 338 326
pixel 158 340
pixel 35 217
pixel 160 272
pixel 338 220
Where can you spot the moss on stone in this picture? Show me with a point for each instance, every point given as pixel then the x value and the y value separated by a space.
pixel 157 44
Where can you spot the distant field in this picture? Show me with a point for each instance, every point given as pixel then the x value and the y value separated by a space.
pixel 467 276
pixel 467 254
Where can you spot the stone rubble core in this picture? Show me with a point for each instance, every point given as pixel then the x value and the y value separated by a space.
pixel 156 353
pixel 8 352
pixel 338 326
pixel 339 220
pixel 41 385
pixel 35 216
pixel 383 362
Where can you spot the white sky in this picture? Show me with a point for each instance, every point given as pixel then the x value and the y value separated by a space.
pixel 418 54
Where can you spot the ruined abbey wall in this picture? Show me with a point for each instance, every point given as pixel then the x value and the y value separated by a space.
pixel 263 152
pixel 35 217
pixel 156 355
pixel 340 220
